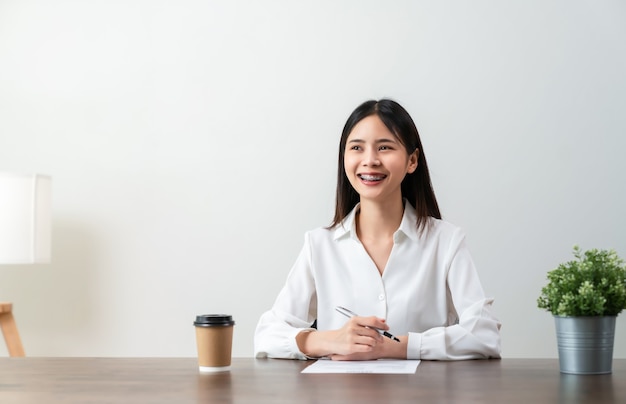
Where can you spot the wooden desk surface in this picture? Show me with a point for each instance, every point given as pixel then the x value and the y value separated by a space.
pixel 176 380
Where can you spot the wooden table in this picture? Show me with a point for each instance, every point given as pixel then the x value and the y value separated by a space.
pixel 176 380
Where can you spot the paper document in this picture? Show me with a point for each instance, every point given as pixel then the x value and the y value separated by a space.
pixel 379 366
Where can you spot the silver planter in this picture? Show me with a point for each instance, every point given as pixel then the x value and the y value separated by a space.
pixel 585 344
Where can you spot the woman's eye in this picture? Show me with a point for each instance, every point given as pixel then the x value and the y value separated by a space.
pixel 355 147
pixel 384 148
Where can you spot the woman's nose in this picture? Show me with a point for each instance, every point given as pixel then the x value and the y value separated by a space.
pixel 371 159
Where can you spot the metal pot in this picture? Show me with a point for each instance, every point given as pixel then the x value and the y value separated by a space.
pixel 585 344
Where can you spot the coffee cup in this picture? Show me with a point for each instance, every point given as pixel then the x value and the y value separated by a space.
pixel 214 338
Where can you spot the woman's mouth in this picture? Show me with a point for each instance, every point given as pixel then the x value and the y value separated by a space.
pixel 371 177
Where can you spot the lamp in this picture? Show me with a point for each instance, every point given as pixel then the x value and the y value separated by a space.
pixel 25 229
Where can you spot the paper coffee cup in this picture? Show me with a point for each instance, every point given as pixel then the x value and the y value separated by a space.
pixel 214 338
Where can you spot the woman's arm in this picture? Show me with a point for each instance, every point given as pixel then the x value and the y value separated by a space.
pixel 476 332
pixel 294 310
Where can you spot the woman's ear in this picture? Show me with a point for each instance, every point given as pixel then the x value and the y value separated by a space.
pixel 413 157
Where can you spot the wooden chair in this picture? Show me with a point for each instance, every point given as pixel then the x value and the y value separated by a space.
pixel 9 329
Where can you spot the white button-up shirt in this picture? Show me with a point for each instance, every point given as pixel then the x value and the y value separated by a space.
pixel 429 290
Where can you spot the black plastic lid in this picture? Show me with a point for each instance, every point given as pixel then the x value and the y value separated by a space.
pixel 212 320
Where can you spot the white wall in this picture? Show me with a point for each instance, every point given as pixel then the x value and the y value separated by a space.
pixel 192 143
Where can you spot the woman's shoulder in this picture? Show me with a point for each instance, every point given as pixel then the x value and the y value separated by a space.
pixel 427 228
pixel 441 228
pixel 443 224
pixel 322 232
pixel 327 235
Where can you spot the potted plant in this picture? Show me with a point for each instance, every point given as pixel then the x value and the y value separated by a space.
pixel 585 295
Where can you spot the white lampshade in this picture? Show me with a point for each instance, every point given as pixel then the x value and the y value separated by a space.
pixel 25 218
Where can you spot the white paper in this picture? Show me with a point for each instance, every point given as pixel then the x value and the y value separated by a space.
pixel 390 366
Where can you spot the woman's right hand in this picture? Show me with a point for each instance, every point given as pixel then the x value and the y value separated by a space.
pixel 358 335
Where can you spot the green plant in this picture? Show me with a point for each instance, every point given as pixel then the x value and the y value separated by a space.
pixel 592 285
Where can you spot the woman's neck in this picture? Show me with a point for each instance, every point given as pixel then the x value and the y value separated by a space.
pixel 379 220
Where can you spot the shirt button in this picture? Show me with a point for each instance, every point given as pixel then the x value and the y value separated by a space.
pixel 381 297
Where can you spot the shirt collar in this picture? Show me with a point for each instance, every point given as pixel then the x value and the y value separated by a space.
pixel 408 226
pixel 347 227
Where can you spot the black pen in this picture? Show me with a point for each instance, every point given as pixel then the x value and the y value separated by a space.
pixel 351 314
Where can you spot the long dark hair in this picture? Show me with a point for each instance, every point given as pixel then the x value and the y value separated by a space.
pixel 416 187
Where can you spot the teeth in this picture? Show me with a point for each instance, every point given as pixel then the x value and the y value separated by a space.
pixel 371 177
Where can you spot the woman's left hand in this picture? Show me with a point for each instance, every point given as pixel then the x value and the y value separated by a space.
pixel 388 349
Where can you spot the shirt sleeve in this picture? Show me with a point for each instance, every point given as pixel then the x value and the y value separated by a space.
pixel 293 311
pixel 474 332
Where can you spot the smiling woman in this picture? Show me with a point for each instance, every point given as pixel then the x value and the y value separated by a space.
pixel 394 124
pixel 376 163
pixel 387 254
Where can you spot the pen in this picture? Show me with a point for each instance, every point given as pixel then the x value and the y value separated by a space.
pixel 350 314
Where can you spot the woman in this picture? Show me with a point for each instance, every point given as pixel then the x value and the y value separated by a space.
pixel 388 256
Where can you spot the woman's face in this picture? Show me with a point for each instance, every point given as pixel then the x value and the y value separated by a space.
pixel 375 161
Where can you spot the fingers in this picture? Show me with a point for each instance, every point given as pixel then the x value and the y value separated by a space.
pixel 359 336
pixel 364 327
pixel 373 322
